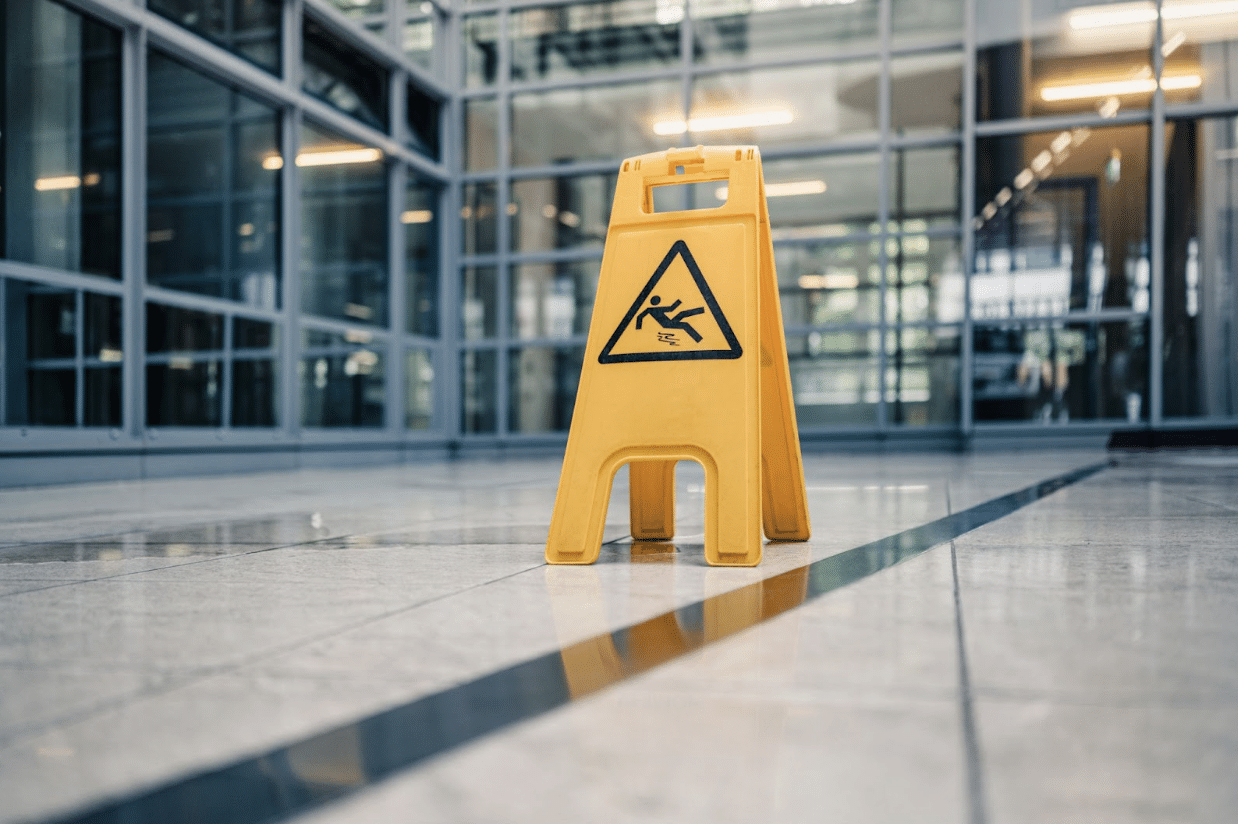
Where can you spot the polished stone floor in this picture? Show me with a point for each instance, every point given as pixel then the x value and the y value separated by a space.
pixel 1073 661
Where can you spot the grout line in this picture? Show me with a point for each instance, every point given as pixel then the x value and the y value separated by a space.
pixel 976 801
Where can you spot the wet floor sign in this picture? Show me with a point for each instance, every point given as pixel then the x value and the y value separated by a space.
pixel 686 361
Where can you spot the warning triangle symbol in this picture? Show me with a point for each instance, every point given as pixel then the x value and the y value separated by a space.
pixel 675 317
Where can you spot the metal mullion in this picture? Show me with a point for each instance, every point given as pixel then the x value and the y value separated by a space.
pixel 927 141
pixel 290 229
pixel 65 280
pixel 1185 111
pixel 358 37
pixel 883 207
pixel 967 208
pixel 1156 219
pixel 942 44
pixel 225 360
pixel 397 291
pixel 205 303
pixel 133 231
pixel 1021 125
pixel 558 255
pixel 1116 315
pixel 503 146
pixel 447 362
pixel 334 119
pixel 79 367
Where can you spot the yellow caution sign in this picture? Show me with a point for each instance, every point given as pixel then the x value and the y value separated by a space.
pixel 686 361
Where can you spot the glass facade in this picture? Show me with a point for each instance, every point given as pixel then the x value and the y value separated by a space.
pixel 1018 222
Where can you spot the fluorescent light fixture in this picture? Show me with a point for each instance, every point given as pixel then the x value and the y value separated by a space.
pixel 1060 143
pixel 1110 107
pixel 777 117
pixel 1040 161
pixel 416 216
pixel 331 157
pixel 1024 179
pixel 791 188
pixel 832 280
pixel 1102 17
pixel 1116 88
pixel 54 184
pixel 1171 45
pixel 1003 197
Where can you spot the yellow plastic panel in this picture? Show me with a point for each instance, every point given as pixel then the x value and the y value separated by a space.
pixel 685 361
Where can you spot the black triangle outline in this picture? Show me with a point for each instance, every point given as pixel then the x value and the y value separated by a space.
pixel 678 249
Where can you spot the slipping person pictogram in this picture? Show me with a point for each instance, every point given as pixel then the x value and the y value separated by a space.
pixel 660 314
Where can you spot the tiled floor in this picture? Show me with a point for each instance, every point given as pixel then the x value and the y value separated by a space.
pixel 1074 661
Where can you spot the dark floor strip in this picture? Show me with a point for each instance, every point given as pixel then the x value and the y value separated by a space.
pixel 335 763
pixel 977 807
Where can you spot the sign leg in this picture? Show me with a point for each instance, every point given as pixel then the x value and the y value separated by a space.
pixel 652 500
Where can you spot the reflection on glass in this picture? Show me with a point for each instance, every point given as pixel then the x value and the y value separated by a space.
pixel 1058 372
pixel 478 392
pixel 1062 224
pixel 422 115
pixel 1201 258
pixel 922 376
pixel 172 329
pixel 212 225
pixel 479 221
pixel 250 28
pixel 599 122
pixel 418 42
pixel 421 226
pixel 61 130
pixel 342 379
pixel 51 316
pixel 779 107
pixel 254 373
pixel 835 377
pixel 343 228
pixel 480 44
pixel 359 9
pixel 923 279
pixel 924 188
pixel 553 42
pixel 821 197
pixel 828 283
pixel 560 212
pixel 101 404
pixel 926 93
pixel 418 390
pixel 726 30
pixel 480 142
pixel 184 374
pixel 552 300
pixel 479 302
pixel 342 76
pixel 1199 40
pixel 913 21
pixel 1035 60
pixel 543 384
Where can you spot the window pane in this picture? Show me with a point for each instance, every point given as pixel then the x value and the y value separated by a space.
pixel 824 283
pixel 39 348
pixel 480 142
pixel 61 123
pixel 728 30
pixel 479 309
pixel 914 21
pixel 250 29
pixel 421 258
pixel 835 378
pixel 252 334
pixel 593 38
pixel 102 328
pixel 1058 372
pixel 480 44
pixel 419 390
pixel 781 107
pixel 601 122
pixel 925 281
pixel 1065 225
pixel 419 42
pixel 171 329
pixel 344 228
pixel 822 197
pixel 422 113
pixel 51 397
pixel 1201 47
pixel 478 393
pixel 480 223
pixel 553 300
pixel 185 391
pixel 924 188
pixel 342 381
pixel 922 376
pixel 209 231
pixel 543 386
pixel 51 322
pixel 1201 288
pixel 560 212
pixel 359 9
pixel 343 77
pixel 101 404
pixel 255 388
pixel 926 93
pixel 1035 60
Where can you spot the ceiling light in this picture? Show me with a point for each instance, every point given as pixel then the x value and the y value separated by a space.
pixel 1173 43
pixel 789 189
pixel 1115 88
pixel 331 157
pixel 416 216
pixel 1101 17
pixel 720 123
pixel 52 184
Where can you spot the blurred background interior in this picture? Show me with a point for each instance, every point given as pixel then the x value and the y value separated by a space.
pixel 278 232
